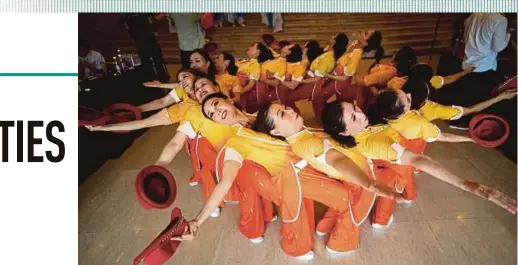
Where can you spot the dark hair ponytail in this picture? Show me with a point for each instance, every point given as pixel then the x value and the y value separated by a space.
pixel 418 84
pixel 374 43
pixel 263 124
pixel 232 68
pixel 388 105
pixel 405 58
pixel 211 71
pixel 314 50
pixel 265 54
pixel 340 46
pixel 332 119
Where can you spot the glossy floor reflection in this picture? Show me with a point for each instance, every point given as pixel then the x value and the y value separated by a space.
pixel 444 226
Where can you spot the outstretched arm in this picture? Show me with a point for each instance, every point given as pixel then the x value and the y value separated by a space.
pixel 171 149
pixel 454 77
pixel 161 85
pixel 230 169
pixel 157 103
pixel 160 118
pixel 354 174
pixel 508 94
pixel 454 138
pixel 435 169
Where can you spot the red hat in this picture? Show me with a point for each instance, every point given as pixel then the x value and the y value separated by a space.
pixel 122 112
pixel 89 116
pixel 268 38
pixel 155 187
pixel 210 47
pixel 162 247
pixel 488 130
pixel 508 84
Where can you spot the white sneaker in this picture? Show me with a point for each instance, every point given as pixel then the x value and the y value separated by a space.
pixel 334 252
pixel 257 240
pixel 215 213
pixel 308 256
pixel 321 233
pixel 194 184
pixel 378 226
pixel 274 219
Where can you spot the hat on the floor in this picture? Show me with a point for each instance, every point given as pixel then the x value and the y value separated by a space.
pixel 122 112
pixel 508 84
pixel 162 247
pixel 210 47
pixel 89 116
pixel 488 130
pixel 155 187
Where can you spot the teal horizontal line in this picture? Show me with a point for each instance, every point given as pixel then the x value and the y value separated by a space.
pixel 38 74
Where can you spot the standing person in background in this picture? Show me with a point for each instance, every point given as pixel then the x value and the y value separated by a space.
pixel 485 36
pixel 142 31
pixel 90 62
pixel 190 34
pixel 273 20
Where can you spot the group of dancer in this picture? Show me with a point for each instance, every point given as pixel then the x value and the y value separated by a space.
pixel 248 144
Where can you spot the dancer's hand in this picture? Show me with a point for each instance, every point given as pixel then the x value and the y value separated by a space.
pixel 507 94
pixel 92 128
pixel 189 233
pixel 492 195
pixel 287 77
pixel 269 75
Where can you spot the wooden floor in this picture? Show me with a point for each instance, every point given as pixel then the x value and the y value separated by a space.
pixel 444 225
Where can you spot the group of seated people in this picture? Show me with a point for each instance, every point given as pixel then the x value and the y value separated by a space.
pixel 240 125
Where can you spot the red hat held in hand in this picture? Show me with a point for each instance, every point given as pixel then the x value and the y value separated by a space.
pixel 488 130
pixel 155 187
pixel 162 247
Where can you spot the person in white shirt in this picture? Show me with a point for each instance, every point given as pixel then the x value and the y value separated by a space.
pixel 485 36
pixel 91 62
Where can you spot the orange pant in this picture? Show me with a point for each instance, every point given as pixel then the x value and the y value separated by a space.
pixel 397 176
pixel 207 156
pixel 190 148
pixel 344 235
pixel 298 235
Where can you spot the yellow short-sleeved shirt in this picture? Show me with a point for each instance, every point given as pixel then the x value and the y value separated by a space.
pixel 195 123
pixel 275 66
pixel 297 70
pixel 379 142
pixel 313 148
pixel 271 153
pixel 412 125
pixel 228 83
pixel 250 68
pixel 179 94
pixel 380 74
pixel 322 65
pixel 435 111
pixel 177 111
pixel 349 61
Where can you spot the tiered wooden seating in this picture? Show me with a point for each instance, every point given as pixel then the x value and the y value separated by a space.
pixel 415 30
